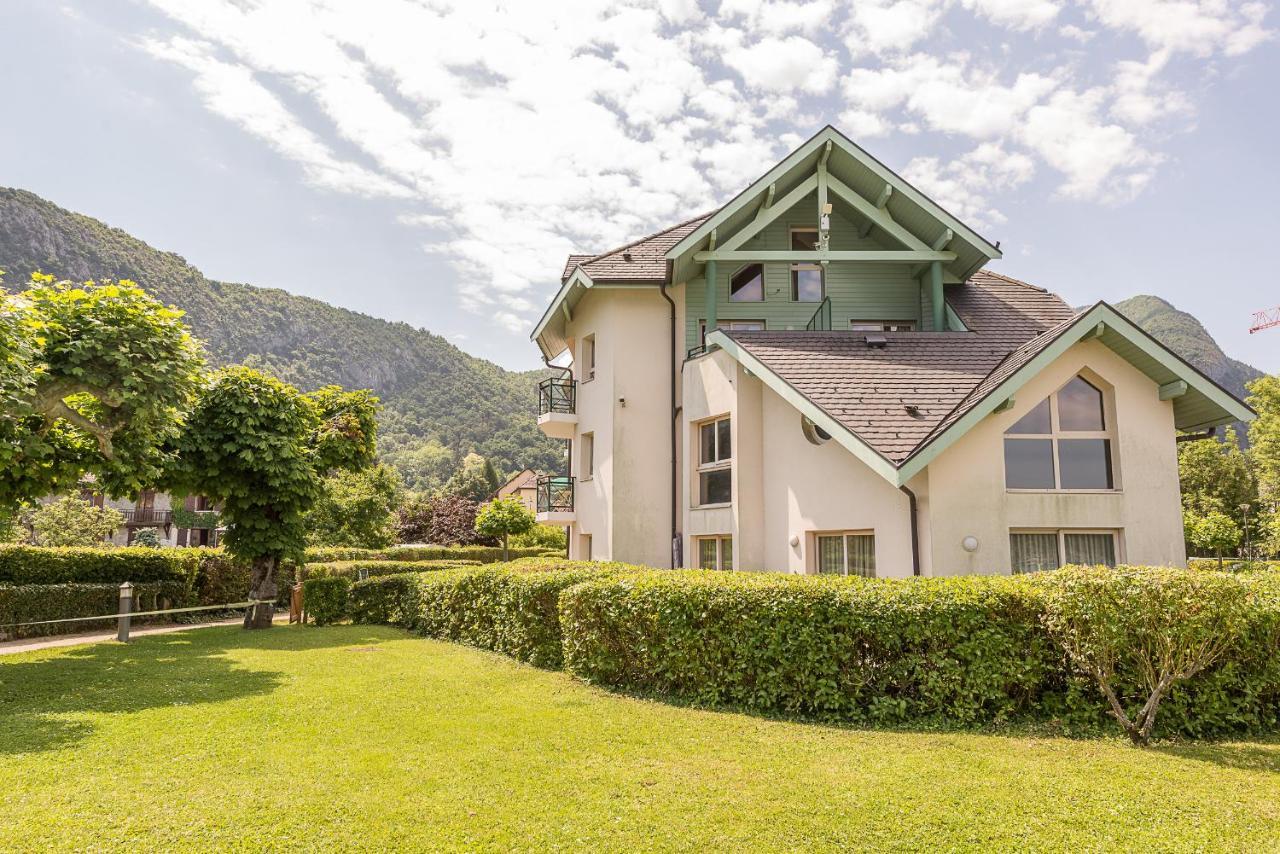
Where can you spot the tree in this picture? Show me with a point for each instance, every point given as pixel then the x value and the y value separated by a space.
pixel 1144 626
pixel 72 521
pixel 541 536
pixel 453 521
pixel 413 519
pixel 356 508
pixel 425 467
pixel 503 517
pixel 475 480
pixel 94 378
pixel 260 448
pixel 1264 450
pixel 1213 532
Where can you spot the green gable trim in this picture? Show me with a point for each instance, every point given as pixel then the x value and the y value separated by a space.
pixel 1113 329
pixel 807 407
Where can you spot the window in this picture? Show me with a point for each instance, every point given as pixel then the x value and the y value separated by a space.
pixel 588 358
pixel 715 553
pixel 882 325
pixel 844 553
pixel 1063 443
pixel 584 547
pixel 807 280
pixel 747 285
pixel 715 455
pixel 815 434
pixel 731 325
pixel 1035 551
pixel 587 456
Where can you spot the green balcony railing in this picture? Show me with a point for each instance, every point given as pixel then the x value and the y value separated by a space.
pixel 557 395
pixel 555 494
pixel 821 320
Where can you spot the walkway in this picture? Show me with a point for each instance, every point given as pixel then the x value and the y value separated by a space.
pixel 32 644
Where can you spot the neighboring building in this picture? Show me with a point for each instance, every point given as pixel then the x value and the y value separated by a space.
pixel 523 485
pixel 820 376
pixel 152 509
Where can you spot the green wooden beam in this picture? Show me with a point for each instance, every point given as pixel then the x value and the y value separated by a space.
pixel 1096 332
pixel 937 302
pixel 1004 405
pixel 880 216
pixel 711 242
pixel 768 215
pixel 710 274
pixel 943 239
pixel 894 256
pixel 883 198
pixel 824 221
pixel 564 309
pixel 1177 388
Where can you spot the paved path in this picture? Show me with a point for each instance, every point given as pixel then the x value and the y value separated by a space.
pixel 31 644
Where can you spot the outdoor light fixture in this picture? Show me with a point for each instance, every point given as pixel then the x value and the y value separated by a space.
pixel 970 543
pixel 795 541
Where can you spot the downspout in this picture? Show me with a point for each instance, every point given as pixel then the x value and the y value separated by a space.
pixel 675 474
pixel 915 531
pixel 568 374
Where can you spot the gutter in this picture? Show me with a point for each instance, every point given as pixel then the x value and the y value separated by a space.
pixel 1196 437
pixel 675 475
pixel 915 531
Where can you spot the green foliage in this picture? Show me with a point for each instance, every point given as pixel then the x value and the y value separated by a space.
pixel 147 537
pixel 72 521
pixel 1216 476
pixel 501 518
pixel 359 569
pixel 1159 626
pixel 1264 441
pixel 425 466
pixel 476 480
pixel 548 537
pixel 21 565
pixel 95 379
pixel 440 518
pixel 483 554
pixel 29 603
pixel 356 508
pixel 1213 532
pixel 389 599
pixel 200 519
pixel 325 598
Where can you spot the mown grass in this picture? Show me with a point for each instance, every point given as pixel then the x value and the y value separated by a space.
pixel 362 737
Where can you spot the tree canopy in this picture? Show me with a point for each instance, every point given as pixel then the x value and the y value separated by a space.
pixel 356 508
pixel 503 517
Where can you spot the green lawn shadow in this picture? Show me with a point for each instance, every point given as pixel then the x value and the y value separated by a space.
pixel 185 668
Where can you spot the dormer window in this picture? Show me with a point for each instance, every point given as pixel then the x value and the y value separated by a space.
pixel 747 285
pixel 808 282
pixel 1063 443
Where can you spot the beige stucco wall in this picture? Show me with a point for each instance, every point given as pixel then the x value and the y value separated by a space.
pixel 967 495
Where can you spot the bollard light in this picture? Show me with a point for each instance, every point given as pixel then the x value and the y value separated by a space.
pixel 126 605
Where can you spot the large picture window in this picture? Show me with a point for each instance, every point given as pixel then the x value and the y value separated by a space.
pixel 715 462
pixel 1062 443
pixel 846 553
pixel 1036 551
pixel 808 282
pixel 715 553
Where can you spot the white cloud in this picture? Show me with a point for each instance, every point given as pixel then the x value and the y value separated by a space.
pixel 783 65
pixel 964 186
pixel 1018 14
pixel 1198 27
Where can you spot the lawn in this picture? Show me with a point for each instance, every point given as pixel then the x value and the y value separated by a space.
pixel 363 737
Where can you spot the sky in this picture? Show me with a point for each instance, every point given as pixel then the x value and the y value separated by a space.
pixel 434 162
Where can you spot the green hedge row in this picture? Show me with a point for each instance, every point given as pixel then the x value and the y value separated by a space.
pixel 949 650
pixel 511 608
pixel 1233 564
pixel 326 598
pixel 24 603
pixel 414 554
pixel 359 569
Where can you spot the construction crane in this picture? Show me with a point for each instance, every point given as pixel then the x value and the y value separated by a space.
pixel 1265 319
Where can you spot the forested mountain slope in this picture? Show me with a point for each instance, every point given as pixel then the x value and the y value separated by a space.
pixel 430 389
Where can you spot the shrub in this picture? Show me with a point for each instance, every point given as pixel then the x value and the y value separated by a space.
pixel 549 537
pixel 148 538
pixel 360 569
pixel 30 602
pixel 482 554
pixel 72 521
pixel 389 599
pixel 1160 626
pixel 326 598
pixel 38 565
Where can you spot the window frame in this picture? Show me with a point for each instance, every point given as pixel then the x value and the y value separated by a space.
pixel 586 456
pixel 720 540
pixel 588 358
pixel 815 538
pixel 1057 434
pixel 738 272
pixel 856 325
pixel 718 463
pixel 805 266
pixel 1061 534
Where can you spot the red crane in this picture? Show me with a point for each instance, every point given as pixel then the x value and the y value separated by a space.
pixel 1265 319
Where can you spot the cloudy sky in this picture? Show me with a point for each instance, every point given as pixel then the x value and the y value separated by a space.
pixel 433 162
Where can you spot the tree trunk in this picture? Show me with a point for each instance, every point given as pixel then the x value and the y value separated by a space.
pixel 263 589
pixel 1219 560
pixel 505 555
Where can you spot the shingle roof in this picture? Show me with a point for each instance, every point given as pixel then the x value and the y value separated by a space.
pixel 647 261
pixel 869 390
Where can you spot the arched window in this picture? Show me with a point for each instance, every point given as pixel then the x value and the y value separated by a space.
pixel 747 285
pixel 1064 442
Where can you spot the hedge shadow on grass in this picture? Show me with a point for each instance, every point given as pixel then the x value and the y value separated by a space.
pixel 152 672
pixel 1261 756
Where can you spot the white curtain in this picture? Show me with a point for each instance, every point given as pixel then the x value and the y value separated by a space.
pixel 1091 549
pixel 1034 552
pixel 862 555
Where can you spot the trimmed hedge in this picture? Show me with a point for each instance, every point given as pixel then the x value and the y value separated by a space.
pixel 1231 564
pixel 326 598
pixel 355 569
pixel 28 602
pixel 947 650
pixel 415 554
pixel 511 608
pixel 39 565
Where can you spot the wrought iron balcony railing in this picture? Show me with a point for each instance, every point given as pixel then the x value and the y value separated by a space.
pixel 557 395
pixel 555 494
pixel 147 518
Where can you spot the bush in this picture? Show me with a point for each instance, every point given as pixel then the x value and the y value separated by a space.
pixel 481 554
pixel 29 602
pixel 549 537
pixel 39 565
pixel 389 599
pixel 360 569
pixel 325 599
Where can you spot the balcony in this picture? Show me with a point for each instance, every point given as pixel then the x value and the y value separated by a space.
pixel 558 407
pixel 147 518
pixel 555 499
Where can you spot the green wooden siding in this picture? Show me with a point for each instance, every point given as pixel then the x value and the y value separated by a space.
pixel 858 290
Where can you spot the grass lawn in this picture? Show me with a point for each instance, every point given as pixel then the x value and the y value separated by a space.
pixel 360 737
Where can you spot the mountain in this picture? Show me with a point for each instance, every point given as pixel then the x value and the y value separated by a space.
pixel 1185 335
pixel 438 402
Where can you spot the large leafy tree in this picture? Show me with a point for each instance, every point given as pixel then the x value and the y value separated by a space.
pixel 476 479
pixel 94 378
pixel 261 448
pixel 503 517
pixel 1264 449
pixel 72 521
pixel 356 508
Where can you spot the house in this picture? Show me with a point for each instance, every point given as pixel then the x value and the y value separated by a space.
pixel 522 485
pixel 196 522
pixel 822 376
